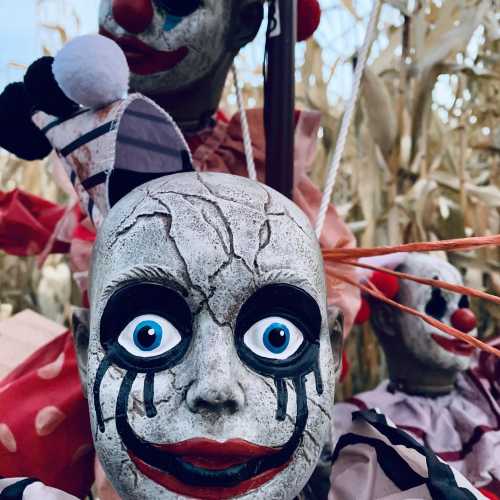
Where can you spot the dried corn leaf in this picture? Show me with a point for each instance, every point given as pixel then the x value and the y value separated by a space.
pixel 446 39
pixel 382 121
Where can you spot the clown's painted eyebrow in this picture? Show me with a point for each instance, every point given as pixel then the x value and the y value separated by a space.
pixel 290 276
pixel 150 273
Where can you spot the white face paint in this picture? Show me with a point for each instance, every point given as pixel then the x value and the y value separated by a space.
pixel 233 270
pixel 427 343
pixel 172 51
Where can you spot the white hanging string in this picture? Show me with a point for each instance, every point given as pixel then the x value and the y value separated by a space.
pixel 347 118
pixel 247 141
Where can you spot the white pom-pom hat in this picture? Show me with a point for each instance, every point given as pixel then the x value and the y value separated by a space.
pixel 115 142
pixel 92 70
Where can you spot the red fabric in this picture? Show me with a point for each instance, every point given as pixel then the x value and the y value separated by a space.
pixel 364 312
pixel 489 368
pixel 27 223
pixel 44 421
pixel 489 494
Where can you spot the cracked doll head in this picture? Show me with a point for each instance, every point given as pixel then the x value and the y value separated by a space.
pixel 171 44
pixel 428 344
pixel 209 370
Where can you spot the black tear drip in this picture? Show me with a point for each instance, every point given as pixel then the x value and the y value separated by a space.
pixel 302 409
pixel 101 371
pixel 318 379
pixel 149 395
pixel 282 397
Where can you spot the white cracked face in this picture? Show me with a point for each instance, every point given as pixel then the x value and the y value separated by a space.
pixel 210 369
pixel 427 343
pixel 169 44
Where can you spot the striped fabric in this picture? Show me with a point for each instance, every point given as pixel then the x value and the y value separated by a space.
pixel 376 460
pixel 108 152
pixel 462 428
pixel 30 489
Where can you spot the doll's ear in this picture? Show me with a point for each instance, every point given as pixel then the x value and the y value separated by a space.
pixel 384 319
pixel 336 329
pixel 18 134
pixel 81 328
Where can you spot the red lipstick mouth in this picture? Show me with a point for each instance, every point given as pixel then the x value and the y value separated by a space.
pixel 454 346
pixel 143 59
pixel 211 455
pixel 214 455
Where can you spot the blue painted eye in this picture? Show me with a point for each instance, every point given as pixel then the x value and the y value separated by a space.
pixel 276 338
pixel 149 335
pixel 273 338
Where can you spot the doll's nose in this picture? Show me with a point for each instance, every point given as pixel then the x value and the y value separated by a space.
pixel 216 393
pixel 464 320
pixel 133 16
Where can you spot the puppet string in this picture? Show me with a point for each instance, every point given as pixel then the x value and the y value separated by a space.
pixel 375 292
pixel 347 118
pixel 472 292
pixel 339 254
pixel 247 141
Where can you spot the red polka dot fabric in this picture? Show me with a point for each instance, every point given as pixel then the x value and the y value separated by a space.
pixel 44 421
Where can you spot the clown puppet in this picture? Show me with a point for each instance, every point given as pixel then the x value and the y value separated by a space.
pixel 439 389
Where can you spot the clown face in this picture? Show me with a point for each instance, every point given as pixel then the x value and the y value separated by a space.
pixel 210 370
pixel 169 44
pixel 427 343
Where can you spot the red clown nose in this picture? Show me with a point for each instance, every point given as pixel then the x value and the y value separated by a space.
pixel 464 320
pixel 133 15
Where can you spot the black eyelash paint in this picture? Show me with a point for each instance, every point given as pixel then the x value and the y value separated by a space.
pixel 101 371
pixel 282 397
pixel 149 395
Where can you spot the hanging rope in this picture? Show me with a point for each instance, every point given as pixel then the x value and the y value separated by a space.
pixel 247 141
pixel 347 118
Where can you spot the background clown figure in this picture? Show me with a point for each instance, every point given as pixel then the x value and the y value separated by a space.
pixel 180 52
pixel 439 389
pixel 210 358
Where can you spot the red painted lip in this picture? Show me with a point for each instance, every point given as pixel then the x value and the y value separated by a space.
pixel 453 345
pixel 143 59
pixel 214 455
pixel 210 455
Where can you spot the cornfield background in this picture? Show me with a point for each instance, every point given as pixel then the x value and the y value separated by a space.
pixel 423 156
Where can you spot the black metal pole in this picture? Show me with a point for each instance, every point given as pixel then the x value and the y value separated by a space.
pixel 280 96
